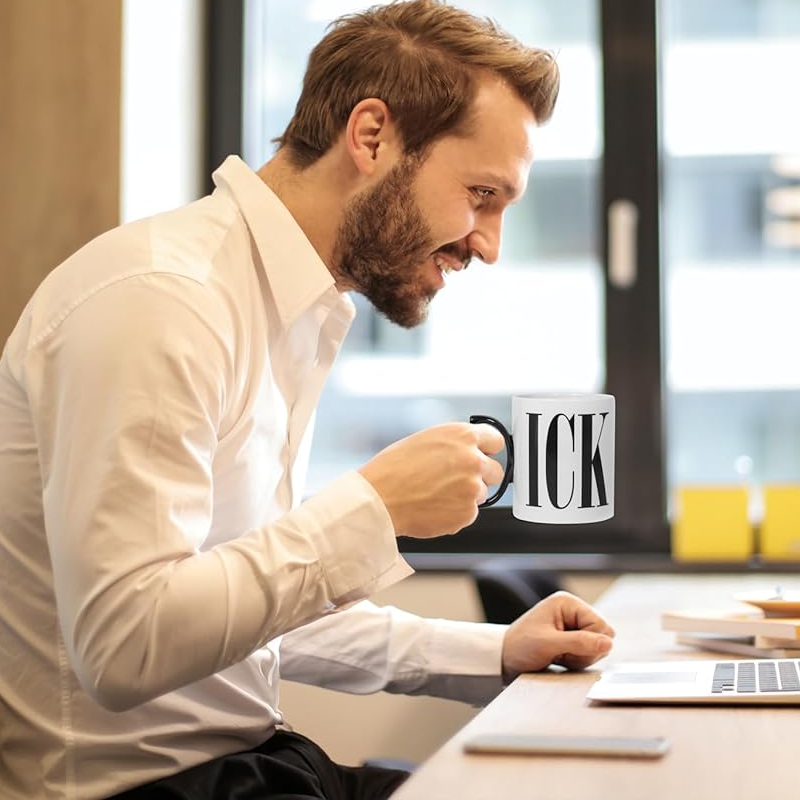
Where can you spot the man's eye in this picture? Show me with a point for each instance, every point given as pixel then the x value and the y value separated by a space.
pixel 482 193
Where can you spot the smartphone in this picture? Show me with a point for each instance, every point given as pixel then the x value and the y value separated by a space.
pixel 535 744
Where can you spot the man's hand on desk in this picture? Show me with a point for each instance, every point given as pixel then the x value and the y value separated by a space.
pixel 561 629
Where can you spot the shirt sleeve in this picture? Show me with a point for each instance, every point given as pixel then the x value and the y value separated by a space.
pixel 126 395
pixel 368 649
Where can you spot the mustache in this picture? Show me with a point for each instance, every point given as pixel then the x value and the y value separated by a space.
pixel 459 253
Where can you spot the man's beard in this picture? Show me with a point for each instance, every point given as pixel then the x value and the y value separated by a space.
pixel 383 246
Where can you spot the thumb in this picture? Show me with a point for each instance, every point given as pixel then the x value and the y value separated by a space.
pixel 579 649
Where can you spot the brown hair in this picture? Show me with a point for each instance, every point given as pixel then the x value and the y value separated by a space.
pixel 422 58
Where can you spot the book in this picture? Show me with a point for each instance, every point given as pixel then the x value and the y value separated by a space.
pixel 737 645
pixel 742 623
pixel 775 641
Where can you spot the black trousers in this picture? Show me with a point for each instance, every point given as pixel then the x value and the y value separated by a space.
pixel 287 766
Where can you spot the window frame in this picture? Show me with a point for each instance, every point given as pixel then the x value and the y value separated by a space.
pixel 633 332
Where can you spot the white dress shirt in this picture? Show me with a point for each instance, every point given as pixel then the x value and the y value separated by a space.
pixel 156 400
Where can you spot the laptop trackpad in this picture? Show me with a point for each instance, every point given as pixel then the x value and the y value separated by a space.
pixel 653 677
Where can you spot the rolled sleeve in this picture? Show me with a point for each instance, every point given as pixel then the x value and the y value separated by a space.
pixel 355 539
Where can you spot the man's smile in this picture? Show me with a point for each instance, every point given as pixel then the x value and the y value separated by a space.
pixel 446 265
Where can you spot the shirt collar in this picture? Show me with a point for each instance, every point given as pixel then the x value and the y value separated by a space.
pixel 296 274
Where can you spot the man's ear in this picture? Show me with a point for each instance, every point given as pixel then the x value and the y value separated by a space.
pixel 371 137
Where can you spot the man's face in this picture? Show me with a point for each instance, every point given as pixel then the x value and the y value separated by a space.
pixel 421 221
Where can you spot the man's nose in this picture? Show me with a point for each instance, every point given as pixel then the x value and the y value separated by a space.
pixel 484 242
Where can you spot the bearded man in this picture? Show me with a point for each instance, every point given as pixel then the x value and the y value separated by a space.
pixel 158 570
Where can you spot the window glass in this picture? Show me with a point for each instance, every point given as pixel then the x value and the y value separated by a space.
pixel 731 239
pixel 533 321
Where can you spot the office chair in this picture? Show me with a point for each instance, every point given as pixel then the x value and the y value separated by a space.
pixel 390 763
pixel 507 591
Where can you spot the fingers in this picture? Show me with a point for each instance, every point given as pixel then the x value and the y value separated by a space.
pixel 577 614
pixel 433 481
pixel 586 636
pixel 491 471
pixel 590 620
pixel 561 629
pixel 580 649
pixel 488 438
pixel 490 442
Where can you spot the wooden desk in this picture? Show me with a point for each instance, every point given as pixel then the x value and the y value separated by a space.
pixel 717 752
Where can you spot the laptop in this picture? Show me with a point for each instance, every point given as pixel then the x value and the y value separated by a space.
pixel 760 681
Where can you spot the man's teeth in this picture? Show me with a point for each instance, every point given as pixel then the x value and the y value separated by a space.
pixel 443 265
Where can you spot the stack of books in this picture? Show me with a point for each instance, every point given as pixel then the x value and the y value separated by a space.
pixel 749 633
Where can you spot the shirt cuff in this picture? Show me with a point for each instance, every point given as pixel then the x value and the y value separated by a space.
pixel 467 648
pixel 465 661
pixel 355 539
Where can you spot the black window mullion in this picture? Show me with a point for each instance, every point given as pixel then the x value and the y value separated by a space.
pixel 633 315
pixel 224 79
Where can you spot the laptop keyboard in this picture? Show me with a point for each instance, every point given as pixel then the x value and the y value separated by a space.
pixel 749 677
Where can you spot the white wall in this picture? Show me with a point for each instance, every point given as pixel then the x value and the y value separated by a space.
pixel 162 105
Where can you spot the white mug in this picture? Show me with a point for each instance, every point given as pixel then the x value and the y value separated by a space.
pixel 561 456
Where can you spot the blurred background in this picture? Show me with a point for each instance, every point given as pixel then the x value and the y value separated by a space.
pixel 727 207
pixel 656 254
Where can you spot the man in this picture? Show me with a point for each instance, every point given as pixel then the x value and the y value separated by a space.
pixel 157 570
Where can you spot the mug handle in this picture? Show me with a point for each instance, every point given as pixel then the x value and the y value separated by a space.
pixel 477 419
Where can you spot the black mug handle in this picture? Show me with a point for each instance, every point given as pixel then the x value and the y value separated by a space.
pixel 477 419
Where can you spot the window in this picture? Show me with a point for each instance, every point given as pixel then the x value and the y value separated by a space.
pixel 698 337
pixel 731 129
